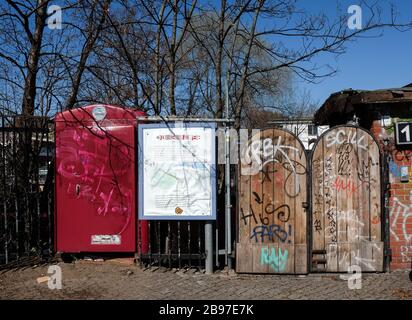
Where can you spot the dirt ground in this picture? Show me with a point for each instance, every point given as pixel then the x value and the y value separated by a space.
pixel 121 279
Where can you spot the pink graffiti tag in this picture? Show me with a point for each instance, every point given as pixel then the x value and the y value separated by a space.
pixel 94 175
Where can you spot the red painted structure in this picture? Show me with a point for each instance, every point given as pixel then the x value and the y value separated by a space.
pixel 95 199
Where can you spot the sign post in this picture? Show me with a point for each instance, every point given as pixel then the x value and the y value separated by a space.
pixel 177 175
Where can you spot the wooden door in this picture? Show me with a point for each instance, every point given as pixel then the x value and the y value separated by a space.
pixel 272 220
pixel 346 201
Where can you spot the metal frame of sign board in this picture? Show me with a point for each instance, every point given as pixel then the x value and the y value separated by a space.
pixel 397 134
pixel 140 147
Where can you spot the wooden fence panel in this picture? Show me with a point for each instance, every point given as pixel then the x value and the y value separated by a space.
pixel 346 201
pixel 272 233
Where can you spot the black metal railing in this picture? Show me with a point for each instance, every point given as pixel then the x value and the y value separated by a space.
pixel 26 191
pixel 171 244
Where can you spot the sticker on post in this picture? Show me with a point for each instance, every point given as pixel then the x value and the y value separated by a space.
pixel 106 239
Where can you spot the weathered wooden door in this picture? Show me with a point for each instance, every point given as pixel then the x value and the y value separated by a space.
pixel 272 221
pixel 346 201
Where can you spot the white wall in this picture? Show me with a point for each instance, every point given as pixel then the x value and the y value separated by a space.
pixel 302 131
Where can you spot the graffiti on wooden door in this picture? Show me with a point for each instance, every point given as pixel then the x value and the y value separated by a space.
pixel 272 222
pixel 346 201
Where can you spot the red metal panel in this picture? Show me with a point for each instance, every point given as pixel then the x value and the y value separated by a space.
pixel 95 181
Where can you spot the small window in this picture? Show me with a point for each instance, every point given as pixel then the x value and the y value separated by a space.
pixel 312 130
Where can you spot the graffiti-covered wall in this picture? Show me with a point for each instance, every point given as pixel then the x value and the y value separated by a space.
pixel 400 192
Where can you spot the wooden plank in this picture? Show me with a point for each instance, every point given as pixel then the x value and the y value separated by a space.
pixel 280 209
pixel 301 213
pixel 354 252
pixel 276 210
pixel 344 168
pixel 366 258
pixel 286 256
pixel 295 226
pixel 330 198
pixel 262 258
pixel 243 258
pixel 363 175
pixel 331 257
pixel 268 188
pixel 318 222
pixel 244 206
pixel 301 254
pixel 344 259
pixel 350 223
pixel 352 184
pixel 377 255
pixel 291 191
pixel 256 202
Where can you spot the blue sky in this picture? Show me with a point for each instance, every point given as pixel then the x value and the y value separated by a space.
pixel 369 63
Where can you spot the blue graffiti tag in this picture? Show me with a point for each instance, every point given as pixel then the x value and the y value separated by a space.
pixel 276 261
pixel 270 231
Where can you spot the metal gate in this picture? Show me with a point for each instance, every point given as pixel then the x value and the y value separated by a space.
pixel 272 220
pixel 346 201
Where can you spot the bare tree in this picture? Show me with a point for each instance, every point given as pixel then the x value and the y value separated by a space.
pixel 16 19
pixel 169 57
pixel 95 19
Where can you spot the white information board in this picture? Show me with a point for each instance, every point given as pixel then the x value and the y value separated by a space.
pixel 177 173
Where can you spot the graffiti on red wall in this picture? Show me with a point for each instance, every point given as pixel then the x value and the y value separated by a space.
pixel 401 217
pixel 93 163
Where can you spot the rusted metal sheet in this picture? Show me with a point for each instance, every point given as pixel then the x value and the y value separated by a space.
pixel 340 105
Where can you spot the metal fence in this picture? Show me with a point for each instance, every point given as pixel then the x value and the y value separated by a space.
pixel 27 207
pixel 27 204
pixel 172 244
pixel 26 187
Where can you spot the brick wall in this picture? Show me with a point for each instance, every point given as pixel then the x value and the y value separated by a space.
pixel 400 197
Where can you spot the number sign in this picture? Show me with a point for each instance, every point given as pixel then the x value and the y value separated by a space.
pixel 403 133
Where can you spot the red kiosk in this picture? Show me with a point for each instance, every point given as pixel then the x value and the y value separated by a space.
pixel 95 199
